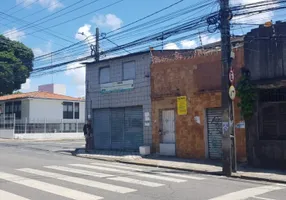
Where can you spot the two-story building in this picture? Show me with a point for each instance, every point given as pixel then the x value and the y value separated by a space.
pixel 265 60
pixel 132 101
pixel 45 110
pixel 118 101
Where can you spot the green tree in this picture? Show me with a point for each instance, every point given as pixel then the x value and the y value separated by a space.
pixel 16 64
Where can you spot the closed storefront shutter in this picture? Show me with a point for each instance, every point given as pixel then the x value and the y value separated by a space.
pixel 117 128
pixel 133 128
pixel 101 129
pixel 214 125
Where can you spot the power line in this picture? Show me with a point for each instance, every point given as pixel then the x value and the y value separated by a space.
pixel 182 28
pixel 44 30
pixel 132 23
pixel 109 5
pixel 39 21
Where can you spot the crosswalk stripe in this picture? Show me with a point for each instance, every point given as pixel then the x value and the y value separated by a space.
pixel 79 171
pixel 248 193
pixel 46 187
pixel 10 196
pixel 80 181
pixel 130 173
pixel 111 177
pixel 159 173
pixel 181 176
pixel 118 166
pixel 135 181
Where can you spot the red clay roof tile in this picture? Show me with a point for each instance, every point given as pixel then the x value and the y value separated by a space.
pixel 38 95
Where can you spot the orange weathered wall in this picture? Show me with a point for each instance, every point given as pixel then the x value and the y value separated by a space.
pixel 199 78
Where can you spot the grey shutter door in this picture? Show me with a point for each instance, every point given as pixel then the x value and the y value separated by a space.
pixel 133 126
pixel 117 128
pixel 101 128
pixel 214 124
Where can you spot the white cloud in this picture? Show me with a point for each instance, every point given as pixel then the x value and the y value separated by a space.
pixel 208 40
pixel 27 85
pixel 257 18
pixel 170 46
pixel 188 44
pixel 43 51
pixel 109 21
pixel 49 4
pixel 14 34
pixel 77 72
pixel 84 33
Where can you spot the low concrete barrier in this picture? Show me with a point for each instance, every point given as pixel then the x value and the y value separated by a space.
pixel 7 133
pixel 44 136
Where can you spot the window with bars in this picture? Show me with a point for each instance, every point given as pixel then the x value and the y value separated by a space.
pixel 68 110
pixel 76 110
pixel 273 114
pixel 13 107
pixel 17 109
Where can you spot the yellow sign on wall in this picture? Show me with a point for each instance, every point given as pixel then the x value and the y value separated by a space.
pixel 182 108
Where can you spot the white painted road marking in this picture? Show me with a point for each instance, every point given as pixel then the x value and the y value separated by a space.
pixel 79 171
pixel 9 196
pixel 247 193
pixel 46 187
pixel 141 170
pixel 80 181
pixel 135 181
pixel 118 166
pixel 130 173
pixel 109 176
pixel 262 198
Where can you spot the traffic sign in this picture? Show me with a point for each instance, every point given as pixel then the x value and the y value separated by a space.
pixel 231 76
pixel 232 92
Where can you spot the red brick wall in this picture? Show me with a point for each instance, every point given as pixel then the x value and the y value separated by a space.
pixel 198 78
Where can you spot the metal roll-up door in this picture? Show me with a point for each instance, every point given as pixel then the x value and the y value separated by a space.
pixel 133 128
pixel 117 128
pixel 214 124
pixel 101 128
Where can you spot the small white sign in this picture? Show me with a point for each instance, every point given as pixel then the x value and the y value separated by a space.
pixel 197 119
pixel 147 116
pixel 241 124
pixel 147 124
pixel 116 86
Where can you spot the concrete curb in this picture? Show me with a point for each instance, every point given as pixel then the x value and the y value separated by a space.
pixel 252 178
pixel 235 175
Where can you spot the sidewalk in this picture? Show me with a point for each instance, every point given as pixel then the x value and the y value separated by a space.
pixel 199 166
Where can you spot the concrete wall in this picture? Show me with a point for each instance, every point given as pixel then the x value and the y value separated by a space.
pixel 139 96
pixel 53 88
pixel 7 133
pixel 196 76
pixel 50 109
pixel 53 136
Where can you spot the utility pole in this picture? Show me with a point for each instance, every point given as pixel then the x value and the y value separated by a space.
pixel 97 56
pixel 228 92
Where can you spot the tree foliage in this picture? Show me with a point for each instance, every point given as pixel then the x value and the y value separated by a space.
pixel 246 91
pixel 16 64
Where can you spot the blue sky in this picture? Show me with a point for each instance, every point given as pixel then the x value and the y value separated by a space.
pixel 106 19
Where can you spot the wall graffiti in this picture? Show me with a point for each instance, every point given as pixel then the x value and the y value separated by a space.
pixel 217 122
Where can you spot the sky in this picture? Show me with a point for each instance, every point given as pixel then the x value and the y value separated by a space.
pixel 42 38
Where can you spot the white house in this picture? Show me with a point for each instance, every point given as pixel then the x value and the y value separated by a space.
pixel 44 110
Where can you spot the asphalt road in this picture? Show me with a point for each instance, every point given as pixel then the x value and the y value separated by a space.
pixel 46 170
